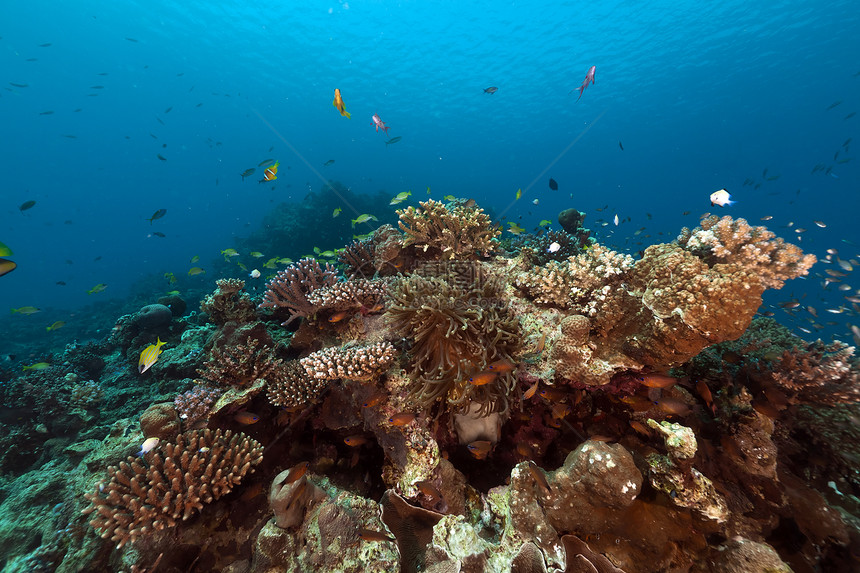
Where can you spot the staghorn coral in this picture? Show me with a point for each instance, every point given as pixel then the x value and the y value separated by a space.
pixel 457 332
pixel 756 249
pixel 294 388
pixel 290 288
pixel 826 374
pixel 351 363
pixel 241 365
pixel 456 232
pixel 353 294
pixel 578 282
pixel 228 303
pixel 170 483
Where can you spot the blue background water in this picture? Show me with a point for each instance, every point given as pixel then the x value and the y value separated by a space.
pixel 702 96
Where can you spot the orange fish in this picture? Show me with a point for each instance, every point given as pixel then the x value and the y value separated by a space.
pixel 355 441
pixel 531 391
pixel 271 173
pixel 706 395
pixel 657 380
pixel 338 316
pixel 673 407
pixel 338 103
pixel 297 472
pixel 374 400
pixel 560 410
pixel 501 366
pixel 552 394
pixel 480 449
pixel 371 535
pixel 482 378
pixel 429 490
pixel 541 343
pixel 640 427
pixel 246 418
pixel 401 419
pixel 539 477
pixel 252 491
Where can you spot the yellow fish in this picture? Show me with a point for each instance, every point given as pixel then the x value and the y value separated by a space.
pixel 336 212
pixel 515 229
pixel 98 288
pixel 195 271
pixel 149 355
pixel 363 219
pixel 449 198
pixel 256 254
pixel 400 197
pixel 5 251
pixel 171 278
pixel 519 194
pixel 195 258
pixel 338 103
pixel 544 223
pixel 37 366
pixel 271 173
pixel 55 326
pixel 270 264
pixel 25 310
pixel 230 253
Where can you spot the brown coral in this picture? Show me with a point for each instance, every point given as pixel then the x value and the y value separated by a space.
pixel 350 363
pixel 353 294
pixel 756 249
pixel 294 388
pixel 456 333
pixel 376 255
pixel 229 302
pixel 289 289
pixel 821 373
pixel 241 365
pixel 170 483
pixel 448 232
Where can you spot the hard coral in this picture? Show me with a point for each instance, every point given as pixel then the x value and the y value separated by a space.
pixel 229 303
pixel 376 255
pixel 727 240
pixel 826 374
pixel 457 333
pixel 290 288
pixel 457 232
pixel 353 294
pixel 241 365
pixel 294 388
pixel 351 363
pixel 171 482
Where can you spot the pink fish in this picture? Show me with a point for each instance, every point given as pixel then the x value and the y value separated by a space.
pixel 377 121
pixel 589 77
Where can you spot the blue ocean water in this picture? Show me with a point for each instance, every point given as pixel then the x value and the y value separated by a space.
pixel 701 96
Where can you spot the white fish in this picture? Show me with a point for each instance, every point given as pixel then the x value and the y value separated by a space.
pixel 553 247
pixel 721 198
pixel 147 446
pixel 255 274
pixel 536 202
pixel 615 220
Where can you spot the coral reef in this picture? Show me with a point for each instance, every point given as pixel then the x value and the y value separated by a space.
pixel 241 365
pixel 379 254
pixel 294 388
pixel 170 482
pixel 351 363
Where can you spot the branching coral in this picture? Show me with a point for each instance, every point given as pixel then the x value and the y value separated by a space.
pixel 290 288
pixel 294 388
pixel 229 303
pixel 756 249
pixel 821 373
pixel 195 404
pixel 451 232
pixel 353 294
pixel 457 333
pixel 579 282
pixel 241 365
pixel 170 483
pixel 350 363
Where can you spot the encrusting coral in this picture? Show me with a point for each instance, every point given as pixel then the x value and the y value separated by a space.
pixel 289 289
pixel 170 483
pixel 455 232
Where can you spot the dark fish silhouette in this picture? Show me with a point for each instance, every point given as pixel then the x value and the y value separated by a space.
pixel 553 184
pixel 491 90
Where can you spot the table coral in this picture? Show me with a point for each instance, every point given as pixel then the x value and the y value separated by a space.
pixel 170 483
pixel 756 249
